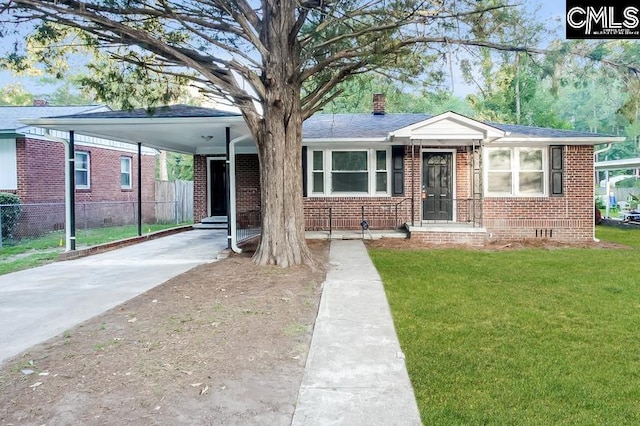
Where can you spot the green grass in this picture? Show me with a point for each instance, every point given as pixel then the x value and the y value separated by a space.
pixel 31 252
pixel 520 337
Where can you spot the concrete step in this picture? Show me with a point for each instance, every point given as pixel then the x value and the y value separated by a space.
pixel 210 226
pixel 212 222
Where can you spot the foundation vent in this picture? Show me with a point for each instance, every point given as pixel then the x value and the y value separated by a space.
pixel 544 233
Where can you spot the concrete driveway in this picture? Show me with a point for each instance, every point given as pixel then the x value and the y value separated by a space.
pixel 40 303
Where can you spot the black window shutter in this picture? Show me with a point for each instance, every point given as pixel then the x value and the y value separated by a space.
pixel 397 170
pixel 556 175
pixel 304 171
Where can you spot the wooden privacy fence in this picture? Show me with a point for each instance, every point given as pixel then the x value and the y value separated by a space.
pixel 174 201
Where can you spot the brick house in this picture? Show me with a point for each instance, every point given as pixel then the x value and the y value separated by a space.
pixel 32 164
pixel 444 178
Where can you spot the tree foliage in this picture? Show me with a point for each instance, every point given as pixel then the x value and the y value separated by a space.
pixel 15 94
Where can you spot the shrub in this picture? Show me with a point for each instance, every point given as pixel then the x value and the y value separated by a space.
pixel 9 213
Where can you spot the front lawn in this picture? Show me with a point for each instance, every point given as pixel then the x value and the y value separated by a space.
pixel 528 336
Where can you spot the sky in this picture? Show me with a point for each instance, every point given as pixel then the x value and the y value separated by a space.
pixel 549 9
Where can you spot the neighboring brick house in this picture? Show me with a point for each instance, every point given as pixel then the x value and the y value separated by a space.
pixel 32 163
pixel 444 178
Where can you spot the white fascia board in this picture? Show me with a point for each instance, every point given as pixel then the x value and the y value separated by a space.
pixel 133 148
pixel 344 141
pixel 221 150
pixel 524 141
pixel 449 137
pixel 73 123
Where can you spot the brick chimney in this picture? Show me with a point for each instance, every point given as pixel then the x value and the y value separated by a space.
pixel 378 104
pixel 40 102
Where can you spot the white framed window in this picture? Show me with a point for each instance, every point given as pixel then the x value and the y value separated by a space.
pixel 125 172
pixel 82 162
pixel 350 172
pixel 515 172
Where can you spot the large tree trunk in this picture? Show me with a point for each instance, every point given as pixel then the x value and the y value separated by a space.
pixel 279 139
pixel 280 152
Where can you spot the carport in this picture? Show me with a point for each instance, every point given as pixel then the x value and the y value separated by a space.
pixel 610 165
pixel 178 128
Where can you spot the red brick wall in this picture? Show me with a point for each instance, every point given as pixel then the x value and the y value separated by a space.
pixel 41 173
pixel 566 218
pixel 247 182
pixel 199 187
pixel 105 176
pixel 440 237
pixel 347 212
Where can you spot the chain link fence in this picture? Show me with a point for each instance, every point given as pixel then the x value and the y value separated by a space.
pixel 20 223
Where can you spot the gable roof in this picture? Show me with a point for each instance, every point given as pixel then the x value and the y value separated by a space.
pixel 10 116
pixel 450 125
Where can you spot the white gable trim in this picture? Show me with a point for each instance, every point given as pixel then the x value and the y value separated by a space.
pixel 449 126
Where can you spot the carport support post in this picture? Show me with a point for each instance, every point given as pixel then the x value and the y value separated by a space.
pixel 228 184
pixel 71 192
pixel 139 189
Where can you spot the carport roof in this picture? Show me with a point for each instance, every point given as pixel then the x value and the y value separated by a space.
pixel 169 111
pixel 179 128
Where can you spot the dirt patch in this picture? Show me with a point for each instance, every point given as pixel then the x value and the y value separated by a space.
pixel 542 243
pixel 224 343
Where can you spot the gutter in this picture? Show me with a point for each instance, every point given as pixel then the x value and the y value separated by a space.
pixel 600 151
pixel 607 185
pixel 232 195
pixel 68 195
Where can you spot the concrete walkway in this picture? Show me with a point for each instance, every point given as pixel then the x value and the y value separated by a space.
pixel 355 372
pixel 40 303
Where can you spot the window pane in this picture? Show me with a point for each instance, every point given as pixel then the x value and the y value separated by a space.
pixel 349 160
pixel 556 157
pixel 125 172
pixel 530 159
pixel 350 182
pixel 531 183
pixel 317 160
pixel 381 160
pixel 500 159
pixel 81 178
pixel 318 182
pixel 125 165
pixel 81 161
pixel 381 182
pixel 499 182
